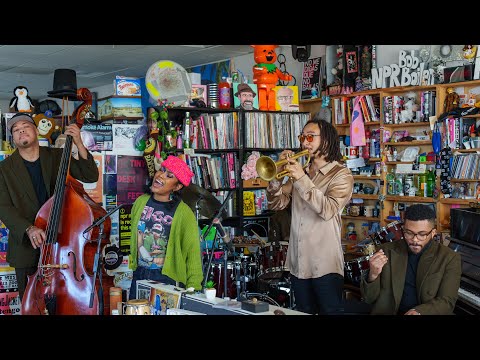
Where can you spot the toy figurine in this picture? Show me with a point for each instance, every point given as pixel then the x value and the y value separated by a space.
pixel 451 101
pixel 351 233
pixel 266 75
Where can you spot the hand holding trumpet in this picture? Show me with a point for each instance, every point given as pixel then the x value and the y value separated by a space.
pixel 295 170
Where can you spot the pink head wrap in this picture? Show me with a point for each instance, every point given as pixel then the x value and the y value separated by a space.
pixel 178 168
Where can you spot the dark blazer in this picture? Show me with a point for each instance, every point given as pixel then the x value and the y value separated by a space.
pixel 18 200
pixel 438 280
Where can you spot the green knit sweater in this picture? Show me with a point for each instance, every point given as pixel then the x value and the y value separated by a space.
pixel 183 261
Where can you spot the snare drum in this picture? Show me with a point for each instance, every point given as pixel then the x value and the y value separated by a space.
pixel 355 266
pixel 272 260
pixel 137 307
pixel 391 232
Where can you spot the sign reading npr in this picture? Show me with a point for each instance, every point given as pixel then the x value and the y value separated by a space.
pixel 409 72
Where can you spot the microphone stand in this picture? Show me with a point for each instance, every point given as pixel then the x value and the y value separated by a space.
pixel 207 269
pixel 96 266
pixel 97 262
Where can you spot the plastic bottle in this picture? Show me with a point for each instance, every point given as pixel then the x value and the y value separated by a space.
pixel 430 183
pixel 224 94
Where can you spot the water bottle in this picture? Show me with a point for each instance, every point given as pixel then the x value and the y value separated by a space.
pixel 224 94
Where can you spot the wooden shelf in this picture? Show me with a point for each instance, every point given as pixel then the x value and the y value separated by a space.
pixel 399 89
pixel 464 180
pixel 408 162
pixel 374 159
pixel 466 150
pixel 358 93
pixel 419 199
pixel 476 116
pixel 372 123
pixel 308 101
pixel 365 196
pixel 457 201
pixel 423 123
pixel 363 218
pixel 364 177
pixel 409 143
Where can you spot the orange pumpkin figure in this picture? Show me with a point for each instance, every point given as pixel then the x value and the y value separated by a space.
pixel 266 75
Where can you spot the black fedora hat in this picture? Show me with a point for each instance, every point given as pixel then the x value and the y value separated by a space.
pixel 245 88
pixel 64 84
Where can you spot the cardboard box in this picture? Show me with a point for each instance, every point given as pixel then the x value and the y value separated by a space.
pixel 127 86
pixel 255 183
pixel 112 107
pixel 161 296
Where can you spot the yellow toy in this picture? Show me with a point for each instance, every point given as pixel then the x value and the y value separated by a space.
pixel 266 75
pixel 45 126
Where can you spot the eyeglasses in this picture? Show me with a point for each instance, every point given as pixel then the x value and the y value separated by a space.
pixel 168 174
pixel 409 235
pixel 309 137
pixel 286 97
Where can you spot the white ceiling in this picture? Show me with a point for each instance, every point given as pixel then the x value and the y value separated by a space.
pixel 33 66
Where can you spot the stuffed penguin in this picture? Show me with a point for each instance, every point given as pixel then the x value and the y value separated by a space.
pixel 21 102
pixel 45 126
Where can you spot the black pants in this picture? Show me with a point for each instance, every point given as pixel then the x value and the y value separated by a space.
pixel 22 279
pixel 323 295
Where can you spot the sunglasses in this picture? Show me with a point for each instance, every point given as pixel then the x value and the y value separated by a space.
pixel 309 137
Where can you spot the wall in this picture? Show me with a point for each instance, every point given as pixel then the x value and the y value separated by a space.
pixel 386 54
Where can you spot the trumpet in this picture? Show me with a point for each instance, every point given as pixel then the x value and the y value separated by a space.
pixel 267 168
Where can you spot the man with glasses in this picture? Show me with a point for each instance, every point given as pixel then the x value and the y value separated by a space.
pixel 413 276
pixel 318 195
pixel 164 242
pixel 285 99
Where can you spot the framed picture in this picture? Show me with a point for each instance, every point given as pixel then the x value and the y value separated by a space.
pixel 245 96
pixel 286 98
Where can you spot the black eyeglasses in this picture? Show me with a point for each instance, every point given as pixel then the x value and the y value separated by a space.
pixel 309 137
pixel 410 235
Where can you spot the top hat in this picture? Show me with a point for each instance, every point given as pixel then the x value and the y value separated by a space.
pixel 244 88
pixel 64 84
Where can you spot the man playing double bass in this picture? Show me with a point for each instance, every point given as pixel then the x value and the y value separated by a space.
pixel 27 181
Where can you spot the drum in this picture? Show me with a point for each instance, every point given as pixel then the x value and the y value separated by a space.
pixel 355 266
pixel 278 290
pixel 137 307
pixel 391 232
pixel 218 271
pixel 272 260
pixel 367 246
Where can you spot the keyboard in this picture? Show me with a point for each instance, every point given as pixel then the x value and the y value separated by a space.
pixel 469 297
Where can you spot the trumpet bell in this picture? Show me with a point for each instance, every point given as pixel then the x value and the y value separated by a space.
pixel 266 168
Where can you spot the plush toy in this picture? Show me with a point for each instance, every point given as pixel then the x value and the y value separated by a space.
pixel 451 100
pixel 45 126
pixel 266 75
pixel 410 107
pixel 21 102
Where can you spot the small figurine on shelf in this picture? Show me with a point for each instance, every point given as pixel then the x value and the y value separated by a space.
pixel 451 101
pixel 408 115
pixel 266 75
pixel 351 233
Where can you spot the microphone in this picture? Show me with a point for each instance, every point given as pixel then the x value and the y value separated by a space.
pixel 222 233
pixel 102 219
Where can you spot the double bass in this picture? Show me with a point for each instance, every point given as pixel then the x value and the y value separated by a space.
pixel 66 282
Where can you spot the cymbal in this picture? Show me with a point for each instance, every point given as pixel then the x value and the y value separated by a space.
pixel 208 204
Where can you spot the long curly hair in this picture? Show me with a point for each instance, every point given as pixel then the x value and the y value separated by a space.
pixel 329 143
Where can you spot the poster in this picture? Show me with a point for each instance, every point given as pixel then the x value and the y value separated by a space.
pixel 124 139
pixel 97 137
pixel 9 298
pixel 311 78
pixel 124 224
pixel 95 190
pixel 286 98
pixel 132 178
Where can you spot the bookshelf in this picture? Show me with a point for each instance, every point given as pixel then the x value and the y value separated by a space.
pixel 437 94
pixel 264 131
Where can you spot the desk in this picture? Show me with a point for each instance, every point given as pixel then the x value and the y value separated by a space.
pixel 199 303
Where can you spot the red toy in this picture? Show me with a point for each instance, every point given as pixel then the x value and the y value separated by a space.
pixel 266 75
